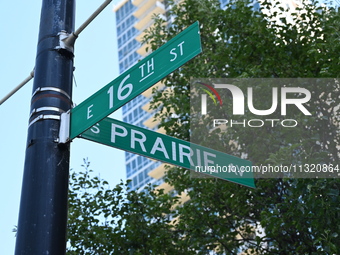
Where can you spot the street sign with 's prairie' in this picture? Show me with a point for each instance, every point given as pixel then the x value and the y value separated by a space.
pixel 171 150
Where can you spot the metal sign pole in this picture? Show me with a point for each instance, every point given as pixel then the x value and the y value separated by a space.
pixel 43 207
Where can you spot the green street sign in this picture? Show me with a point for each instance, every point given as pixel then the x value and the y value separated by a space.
pixel 171 150
pixel 136 80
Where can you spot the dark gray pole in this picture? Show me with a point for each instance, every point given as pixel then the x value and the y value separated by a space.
pixel 43 207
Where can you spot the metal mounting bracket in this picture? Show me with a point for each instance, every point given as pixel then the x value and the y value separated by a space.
pixel 46 108
pixel 44 117
pixel 42 89
pixel 64 130
pixel 66 43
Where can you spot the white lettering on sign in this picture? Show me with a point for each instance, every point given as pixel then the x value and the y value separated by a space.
pixel 187 154
pixel 89 115
pixel 174 52
pixel 110 92
pixel 114 132
pixel 95 129
pixel 122 87
pixel 140 140
pixel 159 148
pixel 147 69
pixel 120 95
pixel 198 153
pixel 206 159
pixel 173 146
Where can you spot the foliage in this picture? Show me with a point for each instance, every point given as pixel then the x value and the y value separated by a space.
pixel 117 221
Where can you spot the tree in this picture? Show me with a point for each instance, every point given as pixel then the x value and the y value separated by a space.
pixel 118 221
pixel 280 216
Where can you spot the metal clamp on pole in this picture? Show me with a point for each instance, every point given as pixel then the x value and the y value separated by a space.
pixel 44 117
pixel 46 108
pixel 42 89
pixel 67 40
pixel 65 46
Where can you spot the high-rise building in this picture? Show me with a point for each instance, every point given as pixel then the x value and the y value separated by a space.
pixel 132 18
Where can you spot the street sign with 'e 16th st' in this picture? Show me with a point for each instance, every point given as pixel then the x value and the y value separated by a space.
pixel 171 150
pixel 136 80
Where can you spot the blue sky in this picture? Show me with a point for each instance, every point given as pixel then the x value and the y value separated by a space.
pixel 96 63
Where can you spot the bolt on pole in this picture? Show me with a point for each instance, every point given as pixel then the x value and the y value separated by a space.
pixel 43 206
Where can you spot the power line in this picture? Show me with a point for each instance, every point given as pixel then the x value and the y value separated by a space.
pixel 17 87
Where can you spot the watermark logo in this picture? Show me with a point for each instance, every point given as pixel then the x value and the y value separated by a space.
pixel 212 94
pixel 244 101
pixel 286 127
pixel 239 105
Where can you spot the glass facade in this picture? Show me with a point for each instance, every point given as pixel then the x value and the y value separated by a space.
pixel 126 34
pixel 137 167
